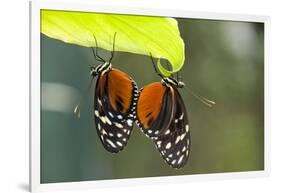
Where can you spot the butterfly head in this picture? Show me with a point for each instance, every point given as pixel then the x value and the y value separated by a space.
pixel 100 69
pixel 172 81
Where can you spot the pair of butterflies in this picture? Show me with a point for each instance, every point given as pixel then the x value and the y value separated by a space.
pixel 158 110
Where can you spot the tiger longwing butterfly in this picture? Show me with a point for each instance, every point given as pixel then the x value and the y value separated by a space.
pixel 115 100
pixel 161 115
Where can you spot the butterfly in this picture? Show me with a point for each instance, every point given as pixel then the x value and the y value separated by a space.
pixel 162 116
pixel 115 100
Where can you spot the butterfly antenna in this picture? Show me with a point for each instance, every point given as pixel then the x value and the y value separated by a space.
pixel 113 47
pixel 204 100
pixel 77 109
pixel 154 65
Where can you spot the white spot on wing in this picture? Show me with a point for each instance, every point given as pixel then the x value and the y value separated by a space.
pixel 168 146
pixel 107 120
pixel 159 143
pixel 187 128
pixel 118 125
pixel 167 132
pixel 104 132
pixel 180 160
pixel 103 119
pixel 119 135
pixel 99 101
pixel 119 143
pixel 181 117
pixel 110 142
pixel 178 139
pixel 183 135
pixel 130 122
pixel 110 114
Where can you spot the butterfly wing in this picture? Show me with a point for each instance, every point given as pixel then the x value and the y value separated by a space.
pixel 114 109
pixel 155 109
pixel 174 145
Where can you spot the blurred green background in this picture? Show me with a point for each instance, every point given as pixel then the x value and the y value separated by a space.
pixel 224 62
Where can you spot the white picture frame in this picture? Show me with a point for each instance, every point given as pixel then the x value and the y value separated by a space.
pixel 36 6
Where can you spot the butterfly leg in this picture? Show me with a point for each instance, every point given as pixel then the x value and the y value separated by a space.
pixel 97 57
pixel 113 48
pixel 154 65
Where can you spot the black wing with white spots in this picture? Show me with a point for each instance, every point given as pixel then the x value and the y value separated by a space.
pixel 174 145
pixel 114 109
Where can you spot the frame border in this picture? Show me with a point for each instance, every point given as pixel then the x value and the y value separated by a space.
pixel 34 95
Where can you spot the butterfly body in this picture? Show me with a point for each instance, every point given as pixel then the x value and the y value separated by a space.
pixel 162 117
pixel 114 106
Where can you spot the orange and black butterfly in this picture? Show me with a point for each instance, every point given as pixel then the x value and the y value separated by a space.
pixel 115 101
pixel 162 116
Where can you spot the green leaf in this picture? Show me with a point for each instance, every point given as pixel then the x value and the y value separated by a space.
pixel 159 36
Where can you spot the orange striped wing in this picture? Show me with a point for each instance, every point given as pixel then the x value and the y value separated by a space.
pixel 155 109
